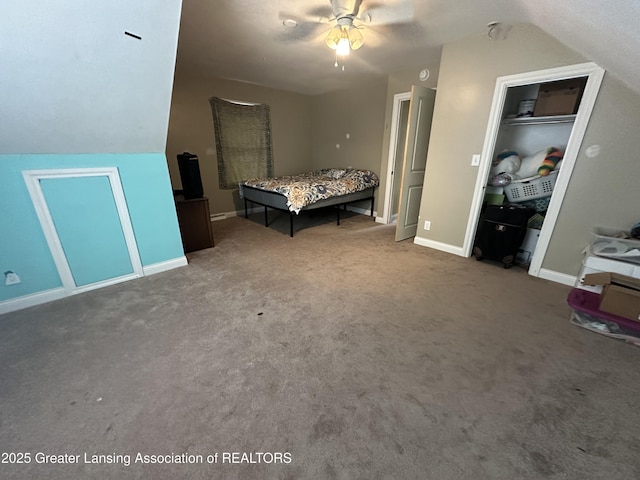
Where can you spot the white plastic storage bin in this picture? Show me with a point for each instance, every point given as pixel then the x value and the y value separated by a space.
pixel 531 188
pixel 595 264
pixel 611 243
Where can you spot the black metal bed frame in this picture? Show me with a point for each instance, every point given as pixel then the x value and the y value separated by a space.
pixel 335 201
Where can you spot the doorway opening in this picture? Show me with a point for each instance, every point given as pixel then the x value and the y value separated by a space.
pixel 397 143
pixel 409 144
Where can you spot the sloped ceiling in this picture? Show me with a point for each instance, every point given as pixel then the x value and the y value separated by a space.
pixel 247 40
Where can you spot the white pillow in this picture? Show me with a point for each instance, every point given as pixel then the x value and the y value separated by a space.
pixel 529 165
pixel 506 162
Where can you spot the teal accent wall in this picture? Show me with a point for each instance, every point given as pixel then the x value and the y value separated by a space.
pixel 23 247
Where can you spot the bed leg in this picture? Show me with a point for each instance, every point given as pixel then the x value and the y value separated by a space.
pixel 291 225
pixel 338 215
pixel 372 200
pixel 266 217
pixel 246 212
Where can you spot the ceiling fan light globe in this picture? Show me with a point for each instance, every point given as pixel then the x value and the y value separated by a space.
pixel 333 37
pixel 356 40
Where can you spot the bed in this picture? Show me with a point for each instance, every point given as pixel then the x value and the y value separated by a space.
pixel 327 187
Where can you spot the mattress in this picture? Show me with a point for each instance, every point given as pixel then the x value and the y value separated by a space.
pixel 303 190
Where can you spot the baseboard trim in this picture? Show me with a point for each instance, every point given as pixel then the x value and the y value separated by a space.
pixel 214 217
pixel 444 247
pixel 164 266
pixel 32 300
pixel 558 277
pixel 361 211
pixel 46 296
pixel 238 213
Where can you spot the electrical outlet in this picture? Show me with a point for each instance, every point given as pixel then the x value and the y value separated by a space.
pixel 11 278
pixel 427 225
pixel 475 160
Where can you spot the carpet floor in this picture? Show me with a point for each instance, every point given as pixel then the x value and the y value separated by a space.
pixel 336 354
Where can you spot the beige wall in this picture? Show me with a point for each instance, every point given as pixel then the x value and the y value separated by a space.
pixel 468 72
pixel 400 82
pixel 358 112
pixel 305 129
pixel 191 129
pixel 603 190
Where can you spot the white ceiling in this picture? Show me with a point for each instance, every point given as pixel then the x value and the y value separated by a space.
pixel 246 40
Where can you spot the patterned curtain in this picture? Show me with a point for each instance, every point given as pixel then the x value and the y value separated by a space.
pixel 243 141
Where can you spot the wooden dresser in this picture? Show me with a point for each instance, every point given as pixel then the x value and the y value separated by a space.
pixel 195 223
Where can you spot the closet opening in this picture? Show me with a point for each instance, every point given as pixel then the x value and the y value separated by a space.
pixel 534 131
pixel 529 135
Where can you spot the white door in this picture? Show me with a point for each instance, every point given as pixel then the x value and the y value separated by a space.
pixel 415 160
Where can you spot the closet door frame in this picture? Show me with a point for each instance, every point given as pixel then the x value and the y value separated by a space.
pixel 32 179
pixel 594 74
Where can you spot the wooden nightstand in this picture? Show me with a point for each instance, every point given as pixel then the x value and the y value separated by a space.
pixel 195 223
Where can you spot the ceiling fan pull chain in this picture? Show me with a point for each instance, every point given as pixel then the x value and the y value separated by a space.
pixel 337 64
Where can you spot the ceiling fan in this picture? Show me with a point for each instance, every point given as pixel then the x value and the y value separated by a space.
pixel 345 36
pixel 350 16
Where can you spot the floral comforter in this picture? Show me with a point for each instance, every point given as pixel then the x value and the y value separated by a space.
pixel 308 188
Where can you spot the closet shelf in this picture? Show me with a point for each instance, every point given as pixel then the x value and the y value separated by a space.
pixel 539 120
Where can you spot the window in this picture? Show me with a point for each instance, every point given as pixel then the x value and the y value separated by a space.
pixel 243 141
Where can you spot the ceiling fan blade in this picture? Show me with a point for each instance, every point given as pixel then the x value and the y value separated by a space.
pixel 343 8
pixel 322 14
pixel 400 11
pixel 303 31
pixel 310 17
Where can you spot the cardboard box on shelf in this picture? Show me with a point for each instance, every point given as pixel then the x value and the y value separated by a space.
pixel 559 98
pixel 620 293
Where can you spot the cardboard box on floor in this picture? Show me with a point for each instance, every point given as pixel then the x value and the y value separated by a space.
pixel 620 294
pixel 559 98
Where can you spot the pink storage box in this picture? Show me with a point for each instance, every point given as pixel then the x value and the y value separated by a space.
pixel 588 302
